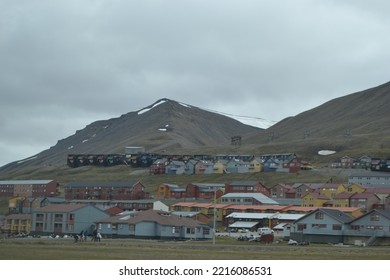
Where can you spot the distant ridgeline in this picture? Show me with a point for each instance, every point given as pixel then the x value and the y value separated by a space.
pixel 133 160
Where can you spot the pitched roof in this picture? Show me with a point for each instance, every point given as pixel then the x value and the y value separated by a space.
pixel 329 186
pixel 243 183
pixel 157 216
pixel 362 195
pixel 317 195
pixel 258 196
pixel 333 213
pixel 60 208
pixel 337 215
pixel 114 210
pixel 19 216
pixel 164 218
pixel 25 182
pixel 384 213
pixel 344 195
pixel 117 184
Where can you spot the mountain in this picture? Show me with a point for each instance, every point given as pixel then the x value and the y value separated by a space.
pixel 355 124
pixel 165 126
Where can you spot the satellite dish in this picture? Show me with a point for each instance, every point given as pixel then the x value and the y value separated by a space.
pixel 326 152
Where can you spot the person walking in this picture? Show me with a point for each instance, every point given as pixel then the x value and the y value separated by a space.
pixel 99 236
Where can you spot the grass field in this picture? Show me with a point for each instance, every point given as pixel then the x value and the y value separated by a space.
pixel 224 249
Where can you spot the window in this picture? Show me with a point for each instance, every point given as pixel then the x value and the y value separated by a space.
pixel 355 227
pixel 176 230
pixel 301 227
pixel 318 226
pixel 319 216
pixel 374 227
pixel 190 230
pixel 374 217
pixel 336 227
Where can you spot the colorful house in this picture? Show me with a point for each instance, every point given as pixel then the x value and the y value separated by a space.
pixel 164 190
pixel 154 225
pixel 18 223
pixel 119 190
pixel 314 199
pixel 302 189
pixel 175 168
pixel 204 190
pixel 220 167
pixel 330 190
pixel 364 201
pixel 323 225
pixel 204 167
pixel 247 199
pixel 369 229
pixel 158 166
pixel 237 166
pixel 282 191
pixel 342 199
pixel 29 188
pixel 65 219
pixel 354 188
pixel 246 187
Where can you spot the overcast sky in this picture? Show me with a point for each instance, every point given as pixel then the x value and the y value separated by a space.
pixel 65 64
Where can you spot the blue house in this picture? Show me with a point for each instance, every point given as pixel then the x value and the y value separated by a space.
pixel 322 225
pixel 369 229
pixel 271 165
pixel 175 168
pixel 237 166
pixel 65 219
pixel 153 224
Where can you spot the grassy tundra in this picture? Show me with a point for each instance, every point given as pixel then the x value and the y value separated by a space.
pixel 224 249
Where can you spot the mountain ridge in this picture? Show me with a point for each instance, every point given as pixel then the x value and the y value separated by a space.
pixel 166 125
pixel 355 124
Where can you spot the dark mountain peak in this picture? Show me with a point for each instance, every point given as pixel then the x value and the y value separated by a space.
pixel 165 103
pixel 166 125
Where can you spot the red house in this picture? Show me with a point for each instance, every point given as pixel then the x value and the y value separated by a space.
pixel 29 188
pixel 204 191
pixel 246 187
pixel 106 191
pixel 282 191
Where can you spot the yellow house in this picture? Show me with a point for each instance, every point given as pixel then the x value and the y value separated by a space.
pixel 314 199
pixel 164 190
pixel 15 204
pixel 18 223
pixel 342 199
pixel 219 167
pixel 330 190
pixel 255 166
pixel 354 188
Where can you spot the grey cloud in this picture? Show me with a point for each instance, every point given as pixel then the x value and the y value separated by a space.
pixel 70 62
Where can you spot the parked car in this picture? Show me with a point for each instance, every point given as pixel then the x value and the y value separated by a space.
pixel 292 242
pixel 265 230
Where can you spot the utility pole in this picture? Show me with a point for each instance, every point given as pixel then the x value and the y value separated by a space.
pixel 215 210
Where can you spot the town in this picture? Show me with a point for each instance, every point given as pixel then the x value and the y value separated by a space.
pixel 356 212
